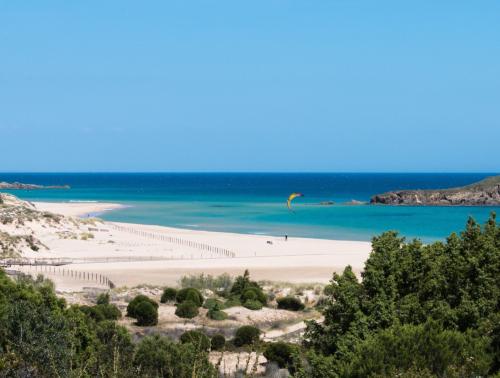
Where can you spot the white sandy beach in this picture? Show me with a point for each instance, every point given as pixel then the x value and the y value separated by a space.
pixel 133 254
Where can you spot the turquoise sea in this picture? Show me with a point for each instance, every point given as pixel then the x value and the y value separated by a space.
pixel 255 202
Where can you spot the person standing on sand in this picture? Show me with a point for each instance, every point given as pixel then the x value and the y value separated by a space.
pixel 286 237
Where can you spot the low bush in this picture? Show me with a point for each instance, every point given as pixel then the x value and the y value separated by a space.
pixel 231 302
pixel 197 338
pixel 281 353
pixel 290 303
pixel 215 313
pixel 211 302
pixel 102 312
pixel 190 294
pixel 109 311
pixel 187 309
pixel 252 305
pixel 246 335
pixel 169 294
pixel 218 342
pixel 146 314
pixel 247 290
pixel 131 308
pixel 254 293
pixel 92 312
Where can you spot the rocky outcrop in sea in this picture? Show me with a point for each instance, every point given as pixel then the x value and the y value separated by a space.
pixel 482 193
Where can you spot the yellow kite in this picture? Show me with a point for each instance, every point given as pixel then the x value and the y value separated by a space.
pixel 291 197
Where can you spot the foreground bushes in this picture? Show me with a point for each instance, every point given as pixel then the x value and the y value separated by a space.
pixel 190 294
pixel 248 292
pixel 215 313
pixel 169 294
pixel 290 303
pixel 281 353
pixel 144 309
pixel 246 335
pixel 198 339
pixel 187 309
pixel 218 342
pixel 102 312
pixel 158 356
pixel 419 310
pixel 40 336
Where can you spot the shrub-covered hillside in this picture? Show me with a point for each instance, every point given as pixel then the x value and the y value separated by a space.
pixel 421 310
pixel 40 336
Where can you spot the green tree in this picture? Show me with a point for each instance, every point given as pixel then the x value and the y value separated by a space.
pixel 158 356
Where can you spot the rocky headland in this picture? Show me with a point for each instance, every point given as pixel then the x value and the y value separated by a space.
pixel 482 193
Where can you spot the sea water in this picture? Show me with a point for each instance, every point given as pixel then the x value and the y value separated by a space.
pixel 255 202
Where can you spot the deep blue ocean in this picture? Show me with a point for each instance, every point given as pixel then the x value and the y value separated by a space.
pixel 255 202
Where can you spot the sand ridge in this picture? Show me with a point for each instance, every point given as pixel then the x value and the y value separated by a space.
pixel 133 254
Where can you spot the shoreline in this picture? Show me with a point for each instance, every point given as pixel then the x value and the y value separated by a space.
pixel 133 254
pixel 78 209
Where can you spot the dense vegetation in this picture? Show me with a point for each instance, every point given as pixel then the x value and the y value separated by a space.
pixel 40 336
pixel 426 310
pixel 290 303
pixel 419 311
pixel 248 292
pixel 169 294
pixel 144 310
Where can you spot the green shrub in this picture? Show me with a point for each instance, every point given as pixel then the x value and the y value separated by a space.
pixel 169 295
pixel 215 313
pixel 246 290
pixel 252 305
pixel 211 302
pixel 131 308
pixel 190 294
pixel 281 353
pixel 218 342
pixel 92 312
pixel 103 299
pixel 198 339
pixel 146 314
pixel 158 356
pixel 186 309
pixel 246 335
pixel 231 302
pixel 109 311
pixel 290 303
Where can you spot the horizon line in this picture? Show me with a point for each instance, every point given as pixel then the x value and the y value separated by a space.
pixel 248 172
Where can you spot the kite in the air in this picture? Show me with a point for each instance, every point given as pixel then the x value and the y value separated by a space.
pixel 291 197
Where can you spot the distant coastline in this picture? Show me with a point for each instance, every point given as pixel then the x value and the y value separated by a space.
pixel 483 193
pixel 21 186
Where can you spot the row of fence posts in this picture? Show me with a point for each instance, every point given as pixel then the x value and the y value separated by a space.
pixel 76 274
pixel 188 243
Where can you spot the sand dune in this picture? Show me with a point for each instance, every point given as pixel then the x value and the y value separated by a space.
pixel 132 254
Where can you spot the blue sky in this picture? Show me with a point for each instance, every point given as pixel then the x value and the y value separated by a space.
pixel 338 85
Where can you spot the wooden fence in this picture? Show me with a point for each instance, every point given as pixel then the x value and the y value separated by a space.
pixel 72 274
pixel 222 252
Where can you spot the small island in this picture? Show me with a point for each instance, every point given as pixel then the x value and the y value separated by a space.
pixel 482 193
pixel 21 186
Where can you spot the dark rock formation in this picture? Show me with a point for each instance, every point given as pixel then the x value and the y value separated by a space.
pixel 18 185
pixel 482 193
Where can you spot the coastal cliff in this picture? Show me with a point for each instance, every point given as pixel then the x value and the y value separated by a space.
pixel 482 193
pixel 18 185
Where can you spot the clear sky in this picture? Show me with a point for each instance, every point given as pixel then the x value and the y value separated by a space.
pixel 337 85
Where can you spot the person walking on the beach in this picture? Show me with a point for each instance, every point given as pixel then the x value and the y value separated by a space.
pixel 286 237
